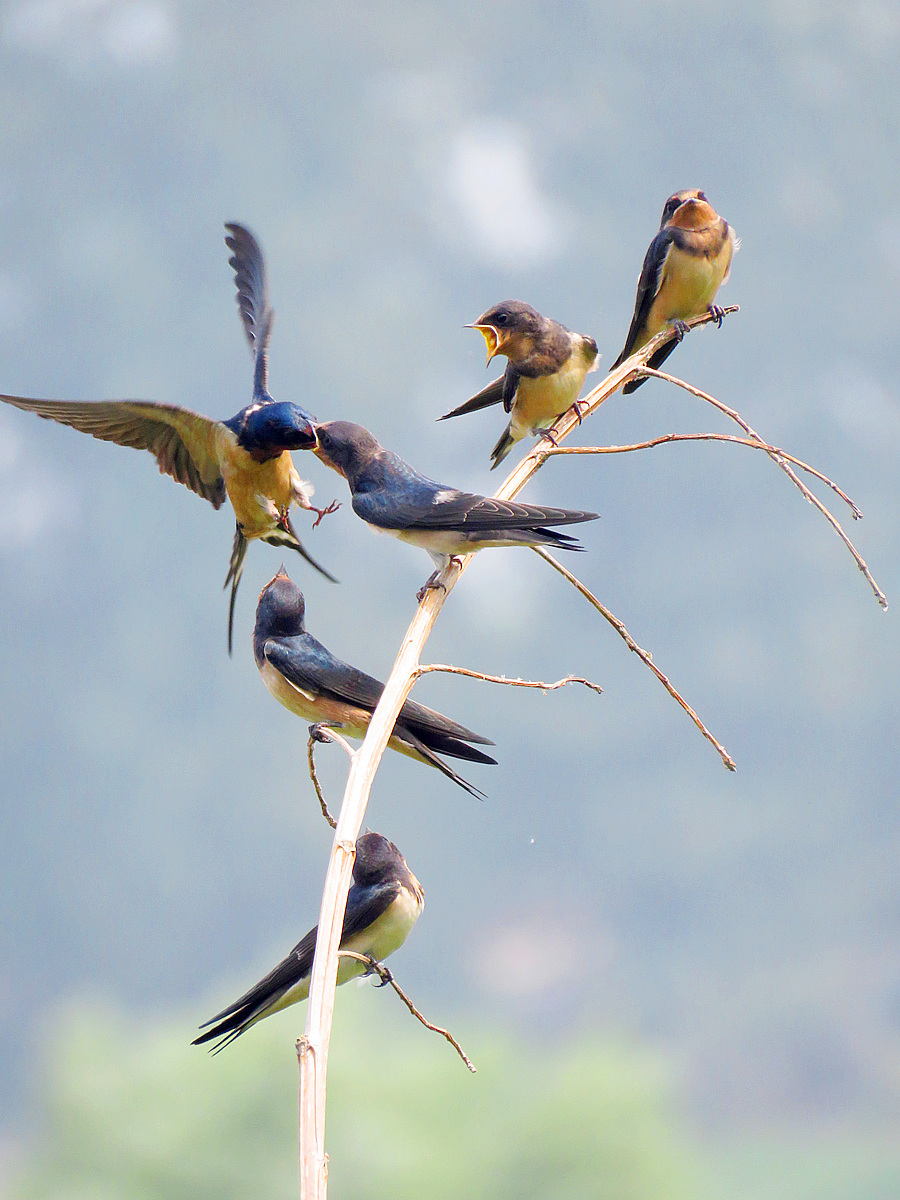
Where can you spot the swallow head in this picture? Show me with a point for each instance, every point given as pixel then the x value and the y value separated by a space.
pixel 281 609
pixel 266 430
pixel 688 210
pixel 508 328
pixel 345 447
pixel 378 860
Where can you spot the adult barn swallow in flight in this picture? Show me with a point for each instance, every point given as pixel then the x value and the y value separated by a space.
pixel 308 679
pixel 384 902
pixel 394 498
pixel 686 264
pixel 545 370
pixel 246 458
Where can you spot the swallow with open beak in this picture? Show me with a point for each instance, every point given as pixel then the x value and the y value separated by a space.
pixel 310 681
pixel 545 370
pixel 246 459
pixel 394 498
pixel 384 902
pixel 686 264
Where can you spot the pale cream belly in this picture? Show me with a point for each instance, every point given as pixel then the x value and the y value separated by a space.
pixel 689 286
pixel 540 401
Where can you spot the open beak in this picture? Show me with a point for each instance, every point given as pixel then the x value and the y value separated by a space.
pixel 493 339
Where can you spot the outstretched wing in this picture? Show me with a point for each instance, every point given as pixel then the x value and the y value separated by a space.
pixel 182 441
pixel 252 298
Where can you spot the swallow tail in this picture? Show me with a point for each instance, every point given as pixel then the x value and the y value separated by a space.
pixel 235 571
pixel 287 536
pixel 503 447
pixel 492 394
pixel 406 735
pixel 655 361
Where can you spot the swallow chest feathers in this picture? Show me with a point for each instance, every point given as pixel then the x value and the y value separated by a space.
pixel 261 486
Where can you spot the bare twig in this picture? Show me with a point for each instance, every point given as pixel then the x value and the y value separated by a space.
pixel 753 443
pixel 645 657
pixel 386 976
pixel 785 466
pixel 321 733
pixel 525 683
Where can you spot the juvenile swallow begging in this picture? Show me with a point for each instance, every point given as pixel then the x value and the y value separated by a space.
pixel 686 264
pixel 384 902
pixel 545 370
pixel 394 498
pixel 246 459
pixel 308 679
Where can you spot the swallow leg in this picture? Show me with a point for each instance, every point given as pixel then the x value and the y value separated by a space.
pixel 718 314
pixel 430 584
pixel 579 412
pixel 550 436
pixel 376 968
pixel 319 732
pixel 324 512
pixel 681 328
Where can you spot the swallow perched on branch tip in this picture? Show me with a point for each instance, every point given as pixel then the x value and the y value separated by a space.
pixel 545 370
pixel 245 459
pixel 384 902
pixel 686 264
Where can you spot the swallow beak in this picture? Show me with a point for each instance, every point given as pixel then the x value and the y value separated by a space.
pixel 493 339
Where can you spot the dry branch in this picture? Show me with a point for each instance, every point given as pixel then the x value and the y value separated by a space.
pixel 525 683
pixel 644 655
pixel 313 1047
pixel 387 976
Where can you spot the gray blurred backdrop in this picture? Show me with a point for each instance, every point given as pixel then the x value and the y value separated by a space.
pixel 406 165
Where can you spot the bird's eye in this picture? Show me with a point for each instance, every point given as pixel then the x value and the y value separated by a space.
pixel 500 319
pixel 702 196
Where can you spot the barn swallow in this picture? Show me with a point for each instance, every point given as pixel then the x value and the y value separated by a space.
pixel 384 902
pixel 394 498
pixel 246 459
pixel 545 370
pixel 308 679
pixel 686 264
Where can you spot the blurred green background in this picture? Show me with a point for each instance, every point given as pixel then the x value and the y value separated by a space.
pixel 675 981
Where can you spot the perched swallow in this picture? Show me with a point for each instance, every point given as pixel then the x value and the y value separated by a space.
pixel 384 902
pixel 311 682
pixel 686 264
pixel 394 498
pixel 545 370
pixel 246 458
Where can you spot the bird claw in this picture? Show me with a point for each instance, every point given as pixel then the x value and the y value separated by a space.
pixel 324 512
pixel 376 968
pixel 681 328
pixel 576 404
pixel 718 314
pixel 430 584
pixel 550 436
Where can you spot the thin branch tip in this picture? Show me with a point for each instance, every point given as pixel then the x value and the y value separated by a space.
pixel 386 975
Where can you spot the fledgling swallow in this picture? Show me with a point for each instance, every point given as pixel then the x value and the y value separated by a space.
pixel 686 264
pixel 246 459
pixel 307 679
pixel 545 370
pixel 384 902
pixel 394 498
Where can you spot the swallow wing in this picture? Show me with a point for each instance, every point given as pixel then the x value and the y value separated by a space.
pixel 182 441
pixel 648 286
pixel 457 511
pixel 494 393
pixel 249 269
